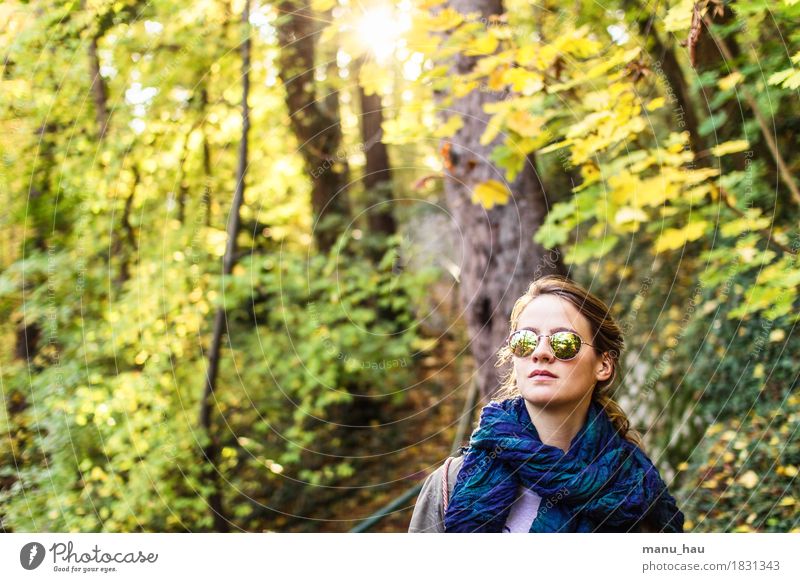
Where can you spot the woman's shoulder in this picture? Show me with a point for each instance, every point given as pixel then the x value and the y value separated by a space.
pixel 446 475
pixel 428 515
pixel 453 465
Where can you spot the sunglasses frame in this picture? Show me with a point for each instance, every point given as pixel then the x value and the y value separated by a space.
pixel 539 336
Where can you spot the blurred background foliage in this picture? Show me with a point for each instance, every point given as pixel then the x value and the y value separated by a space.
pixel 664 134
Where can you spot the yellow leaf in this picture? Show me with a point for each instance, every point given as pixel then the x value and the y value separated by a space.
pixel 526 54
pixel 751 221
pixel 490 193
pixel 493 127
pixel 630 216
pixel 375 80
pixel 787 501
pixel 557 146
pixel 690 177
pixel 322 5
pixel 445 20
pixel 790 471
pixel 524 123
pixel 537 57
pixel 485 44
pixel 655 104
pixel 679 17
pixel 749 479
pixel 462 87
pixel 98 474
pixel 523 81
pixel 674 238
pixel 730 147
pixel 758 371
pixel 450 127
pixel 580 46
pixel 730 81
pixel 495 79
pixel 788 78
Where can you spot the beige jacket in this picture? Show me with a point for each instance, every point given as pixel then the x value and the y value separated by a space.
pixel 428 516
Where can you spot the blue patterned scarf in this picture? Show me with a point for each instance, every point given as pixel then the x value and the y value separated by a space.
pixel 603 483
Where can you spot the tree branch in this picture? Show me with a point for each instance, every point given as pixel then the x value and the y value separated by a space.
pixel 783 168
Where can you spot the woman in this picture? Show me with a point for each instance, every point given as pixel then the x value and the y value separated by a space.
pixel 554 452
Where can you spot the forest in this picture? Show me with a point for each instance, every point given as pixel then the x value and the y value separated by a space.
pixel 257 257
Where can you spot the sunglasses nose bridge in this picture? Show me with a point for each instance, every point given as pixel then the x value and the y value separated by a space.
pixel 543 343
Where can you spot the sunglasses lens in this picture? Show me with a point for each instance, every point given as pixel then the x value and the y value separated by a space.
pixel 522 343
pixel 565 345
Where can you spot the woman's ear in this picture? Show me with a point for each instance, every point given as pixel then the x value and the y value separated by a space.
pixel 605 368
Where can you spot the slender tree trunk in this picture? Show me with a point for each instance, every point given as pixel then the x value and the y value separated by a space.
pixel 207 172
pixel 211 451
pixel 715 49
pixel 499 257
pixel 183 187
pixel 377 178
pixel 667 63
pixel 99 91
pixel 124 238
pixel 317 129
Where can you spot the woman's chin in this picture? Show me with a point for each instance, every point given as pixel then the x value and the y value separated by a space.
pixel 540 394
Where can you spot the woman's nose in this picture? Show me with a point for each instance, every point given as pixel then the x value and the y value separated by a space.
pixel 542 351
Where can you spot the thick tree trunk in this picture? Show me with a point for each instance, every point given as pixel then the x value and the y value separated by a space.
pixel 317 129
pixel 499 257
pixel 211 451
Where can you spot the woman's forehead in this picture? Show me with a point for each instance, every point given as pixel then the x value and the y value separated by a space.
pixel 548 312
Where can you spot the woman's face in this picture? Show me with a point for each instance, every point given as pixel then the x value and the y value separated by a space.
pixel 575 378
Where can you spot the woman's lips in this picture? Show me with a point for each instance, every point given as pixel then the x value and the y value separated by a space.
pixel 541 374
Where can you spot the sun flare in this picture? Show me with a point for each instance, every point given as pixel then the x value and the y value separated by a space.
pixel 380 29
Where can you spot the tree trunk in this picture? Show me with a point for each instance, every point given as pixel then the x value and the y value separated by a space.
pixel 667 63
pixel 123 239
pixel 377 177
pixel 99 92
pixel 317 129
pixel 211 450
pixel 499 257
pixel 207 172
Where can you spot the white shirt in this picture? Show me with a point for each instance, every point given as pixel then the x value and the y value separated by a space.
pixel 523 512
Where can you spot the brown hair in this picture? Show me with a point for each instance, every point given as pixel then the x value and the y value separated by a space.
pixel 606 337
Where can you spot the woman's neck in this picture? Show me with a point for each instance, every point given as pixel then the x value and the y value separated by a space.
pixel 558 426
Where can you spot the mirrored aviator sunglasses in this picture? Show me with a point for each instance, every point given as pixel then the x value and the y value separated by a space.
pixel 564 344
